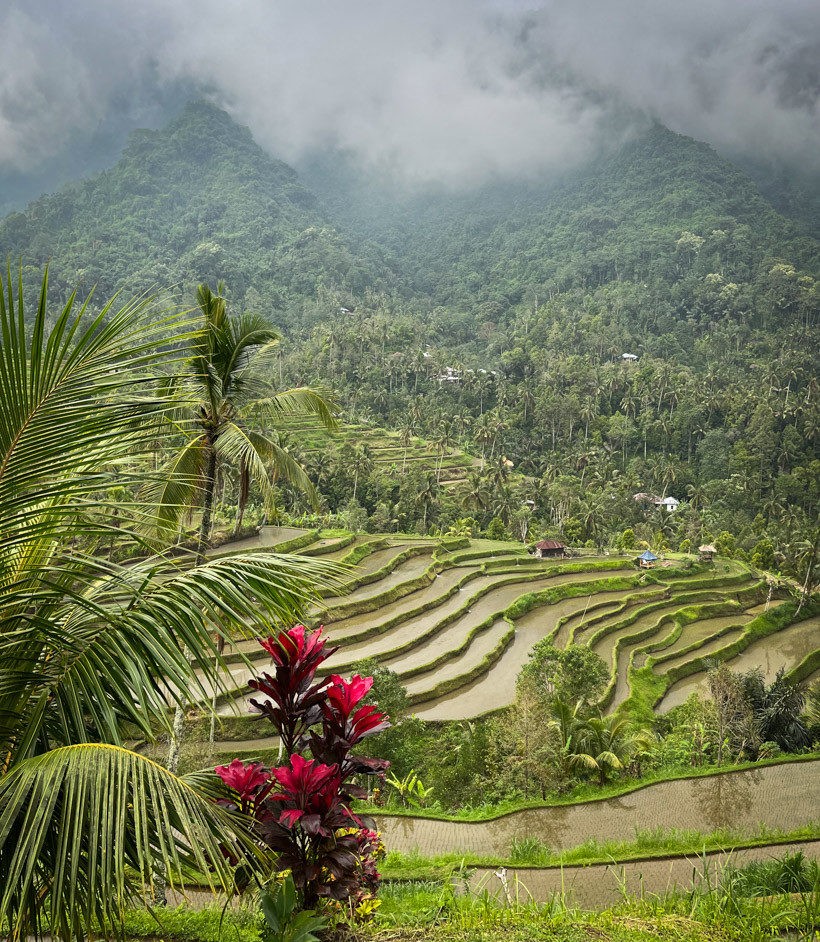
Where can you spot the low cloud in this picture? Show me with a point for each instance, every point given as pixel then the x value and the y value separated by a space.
pixel 453 93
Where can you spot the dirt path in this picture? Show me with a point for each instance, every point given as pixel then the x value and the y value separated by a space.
pixel 783 797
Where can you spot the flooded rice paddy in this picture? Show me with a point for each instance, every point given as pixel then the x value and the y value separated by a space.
pixel 701 630
pixel 781 797
pixel 599 886
pixel 786 648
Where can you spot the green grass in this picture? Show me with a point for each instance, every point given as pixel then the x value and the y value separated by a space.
pixel 648 845
pixel 193 925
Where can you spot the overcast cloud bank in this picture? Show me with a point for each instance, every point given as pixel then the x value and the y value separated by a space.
pixel 453 93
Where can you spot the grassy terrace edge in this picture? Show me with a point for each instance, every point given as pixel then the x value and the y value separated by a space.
pixel 398 866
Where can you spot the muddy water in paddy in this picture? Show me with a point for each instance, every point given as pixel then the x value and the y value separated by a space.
pixel 602 885
pixel 497 688
pixel 707 627
pixel 701 630
pixel 494 602
pixel 405 571
pixel 481 646
pixel 605 648
pixel 782 797
pixel 786 648
pixel 348 628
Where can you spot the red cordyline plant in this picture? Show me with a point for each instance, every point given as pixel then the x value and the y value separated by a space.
pixel 302 810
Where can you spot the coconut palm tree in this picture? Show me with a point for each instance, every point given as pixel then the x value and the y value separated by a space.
pixel 607 744
pixel 92 649
pixel 227 395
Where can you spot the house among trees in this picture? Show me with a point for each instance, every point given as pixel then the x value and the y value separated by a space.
pixel 647 560
pixel 629 357
pixel 707 553
pixel 450 375
pixel 670 504
pixel 548 549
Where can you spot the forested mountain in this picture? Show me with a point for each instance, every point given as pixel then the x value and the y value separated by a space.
pixel 620 218
pixel 194 201
pixel 530 295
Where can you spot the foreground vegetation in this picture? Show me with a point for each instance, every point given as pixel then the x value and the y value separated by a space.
pixel 747 904
pixel 90 646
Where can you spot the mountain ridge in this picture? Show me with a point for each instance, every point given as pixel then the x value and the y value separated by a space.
pixel 199 199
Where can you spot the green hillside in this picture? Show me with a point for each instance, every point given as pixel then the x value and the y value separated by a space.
pixel 494 324
pixel 620 218
pixel 195 200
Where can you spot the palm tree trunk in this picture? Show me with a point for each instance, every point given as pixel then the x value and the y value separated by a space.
pixel 207 505
pixel 204 535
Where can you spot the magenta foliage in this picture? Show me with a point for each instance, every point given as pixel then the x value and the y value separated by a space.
pixel 249 781
pixel 302 810
pixel 295 702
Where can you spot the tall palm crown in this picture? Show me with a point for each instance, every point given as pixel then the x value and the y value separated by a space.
pixel 228 372
pixel 92 649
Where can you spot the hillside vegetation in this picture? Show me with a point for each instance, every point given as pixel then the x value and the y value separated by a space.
pixel 494 324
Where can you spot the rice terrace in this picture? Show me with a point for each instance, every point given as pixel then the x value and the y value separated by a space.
pixel 409 472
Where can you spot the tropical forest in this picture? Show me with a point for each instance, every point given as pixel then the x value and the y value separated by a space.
pixel 392 557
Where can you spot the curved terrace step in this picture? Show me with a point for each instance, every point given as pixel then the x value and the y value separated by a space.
pixel 638 621
pixel 347 630
pixel 779 797
pixel 491 602
pixel 495 689
pixel 783 649
pixel 481 649
pixel 626 652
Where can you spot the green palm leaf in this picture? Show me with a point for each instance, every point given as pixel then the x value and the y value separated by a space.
pixel 85 828
pixel 91 646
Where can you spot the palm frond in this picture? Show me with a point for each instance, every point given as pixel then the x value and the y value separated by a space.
pixel 248 450
pixel 299 401
pixel 82 659
pixel 84 828
pixel 176 488
pixel 252 340
pixel 74 400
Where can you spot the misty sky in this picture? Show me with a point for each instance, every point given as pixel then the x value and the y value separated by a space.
pixel 452 92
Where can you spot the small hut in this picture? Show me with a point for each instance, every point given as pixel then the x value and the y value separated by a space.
pixel 707 553
pixel 548 549
pixel 647 560
pixel 669 504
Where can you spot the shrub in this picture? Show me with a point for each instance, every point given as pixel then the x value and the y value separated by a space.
pixel 302 810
